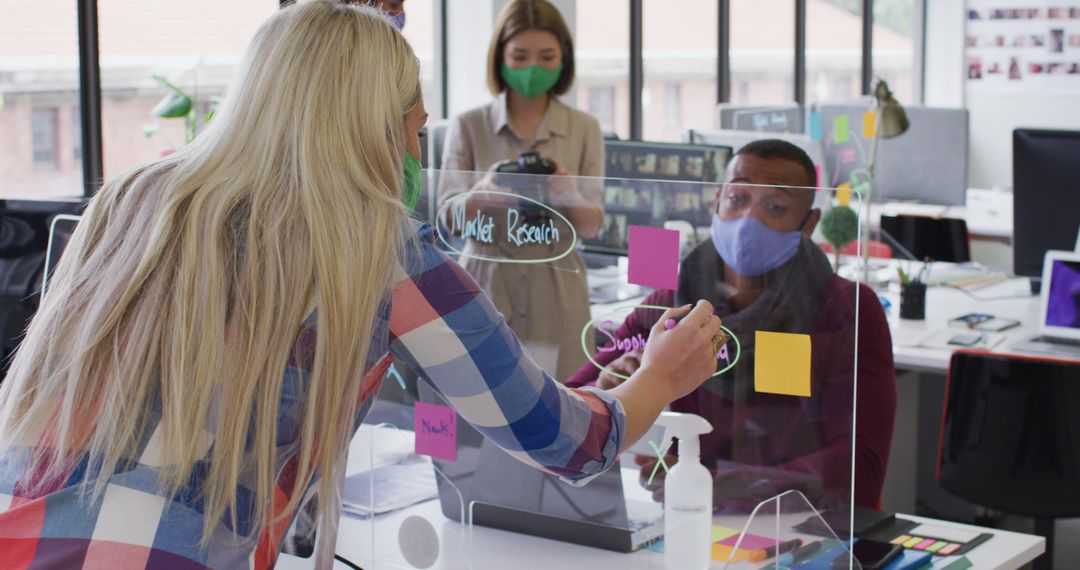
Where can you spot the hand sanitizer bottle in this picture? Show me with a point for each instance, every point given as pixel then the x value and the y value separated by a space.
pixel 687 496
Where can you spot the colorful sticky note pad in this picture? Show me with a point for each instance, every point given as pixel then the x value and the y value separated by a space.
pixel 900 539
pixel 924 544
pixel 436 431
pixel 937 546
pixel 949 549
pixel 869 124
pixel 816 132
pixel 750 541
pixel 722 532
pixel 654 257
pixel 912 542
pixel 817 176
pixel 724 553
pixel 840 129
pixel 782 363
pixel 843 194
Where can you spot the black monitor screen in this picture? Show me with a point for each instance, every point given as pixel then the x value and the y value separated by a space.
pixel 652 183
pixel 1046 196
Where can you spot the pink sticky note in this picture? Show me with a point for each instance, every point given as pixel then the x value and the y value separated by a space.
pixel 436 431
pixel 750 542
pixel 654 257
pixel 817 174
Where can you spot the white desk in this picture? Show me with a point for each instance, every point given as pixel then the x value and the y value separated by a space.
pixel 487 548
pixel 988 213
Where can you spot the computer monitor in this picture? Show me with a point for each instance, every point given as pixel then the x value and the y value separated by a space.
pixel 651 183
pixel 1046 196
pixel 928 163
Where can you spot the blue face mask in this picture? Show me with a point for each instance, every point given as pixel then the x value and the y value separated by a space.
pixel 399 20
pixel 751 248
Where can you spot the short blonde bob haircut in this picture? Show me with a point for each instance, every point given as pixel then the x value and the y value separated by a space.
pixel 521 15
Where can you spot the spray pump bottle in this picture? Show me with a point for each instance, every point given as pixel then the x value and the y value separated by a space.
pixel 688 490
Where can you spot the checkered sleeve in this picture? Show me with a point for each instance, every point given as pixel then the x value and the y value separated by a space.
pixel 446 328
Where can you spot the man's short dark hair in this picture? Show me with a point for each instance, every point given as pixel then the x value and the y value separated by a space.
pixel 781 149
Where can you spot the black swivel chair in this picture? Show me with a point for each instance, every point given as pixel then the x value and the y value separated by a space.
pixel 940 239
pixel 1010 437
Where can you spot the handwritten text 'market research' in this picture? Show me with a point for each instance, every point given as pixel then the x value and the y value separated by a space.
pixel 518 231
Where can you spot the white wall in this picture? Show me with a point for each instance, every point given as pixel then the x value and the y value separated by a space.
pixel 993 117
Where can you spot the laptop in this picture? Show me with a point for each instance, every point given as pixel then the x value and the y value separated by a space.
pixel 506 494
pixel 1059 317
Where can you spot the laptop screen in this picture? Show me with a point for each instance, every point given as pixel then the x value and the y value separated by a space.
pixel 1063 301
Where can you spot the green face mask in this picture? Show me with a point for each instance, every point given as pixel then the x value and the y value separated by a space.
pixel 531 81
pixel 411 192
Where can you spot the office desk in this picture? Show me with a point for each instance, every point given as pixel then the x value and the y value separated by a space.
pixel 1009 299
pixel 988 213
pixel 488 548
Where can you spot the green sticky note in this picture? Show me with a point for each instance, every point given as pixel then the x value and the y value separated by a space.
pixel 840 129
pixel 937 546
pixel 782 363
pixel 722 532
pixel 911 543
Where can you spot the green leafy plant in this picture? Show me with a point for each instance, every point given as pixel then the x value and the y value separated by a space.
pixel 840 226
pixel 177 104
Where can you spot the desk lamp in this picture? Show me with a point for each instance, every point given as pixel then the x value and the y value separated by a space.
pixel 890 122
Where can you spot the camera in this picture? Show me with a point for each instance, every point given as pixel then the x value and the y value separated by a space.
pixel 528 162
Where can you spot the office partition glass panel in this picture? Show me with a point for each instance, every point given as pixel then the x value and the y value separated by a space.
pixel 833 50
pixel 895 30
pixel 40 135
pixel 150 50
pixel 602 49
pixel 679 49
pixel 464 434
pixel 762 51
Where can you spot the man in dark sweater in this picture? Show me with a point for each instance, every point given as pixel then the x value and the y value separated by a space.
pixel 762 273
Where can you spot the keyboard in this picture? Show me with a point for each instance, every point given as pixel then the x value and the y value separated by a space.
pixel 1058 340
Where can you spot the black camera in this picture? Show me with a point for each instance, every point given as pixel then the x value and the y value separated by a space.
pixel 528 162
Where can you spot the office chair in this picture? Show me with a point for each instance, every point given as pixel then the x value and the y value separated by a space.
pixel 1010 437
pixel 940 239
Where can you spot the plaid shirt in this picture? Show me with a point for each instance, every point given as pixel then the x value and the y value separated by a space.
pixel 437 320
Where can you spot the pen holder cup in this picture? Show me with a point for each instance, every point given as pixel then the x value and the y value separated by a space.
pixel 913 301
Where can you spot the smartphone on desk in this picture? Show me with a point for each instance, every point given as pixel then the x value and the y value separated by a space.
pixel 984 322
pixel 871 554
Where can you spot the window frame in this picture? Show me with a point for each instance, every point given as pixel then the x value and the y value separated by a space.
pixel 90 70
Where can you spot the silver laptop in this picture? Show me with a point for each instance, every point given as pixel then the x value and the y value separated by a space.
pixel 506 494
pixel 1059 318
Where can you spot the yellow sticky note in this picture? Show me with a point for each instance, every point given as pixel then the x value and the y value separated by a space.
pixel 722 532
pixel 721 552
pixel 782 363
pixel 869 124
pixel 843 193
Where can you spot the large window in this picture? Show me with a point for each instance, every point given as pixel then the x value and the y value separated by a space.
pixel 834 30
pixel 762 52
pixel 194 45
pixel 602 46
pixel 420 22
pixel 39 92
pixel 896 24
pixel 679 49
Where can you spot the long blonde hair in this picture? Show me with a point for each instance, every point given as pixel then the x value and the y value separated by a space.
pixel 186 283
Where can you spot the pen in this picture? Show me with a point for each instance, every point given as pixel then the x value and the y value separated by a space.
pixel 780 548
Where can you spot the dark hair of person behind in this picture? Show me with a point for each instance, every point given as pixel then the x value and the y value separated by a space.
pixel 781 149
pixel 521 15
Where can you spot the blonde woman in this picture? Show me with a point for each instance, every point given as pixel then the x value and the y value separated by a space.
pixel 222 317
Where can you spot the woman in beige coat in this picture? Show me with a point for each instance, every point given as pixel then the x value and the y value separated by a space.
pixel 530 62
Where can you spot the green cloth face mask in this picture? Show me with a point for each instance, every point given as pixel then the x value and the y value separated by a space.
pixel 410 194
pixel 531 81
